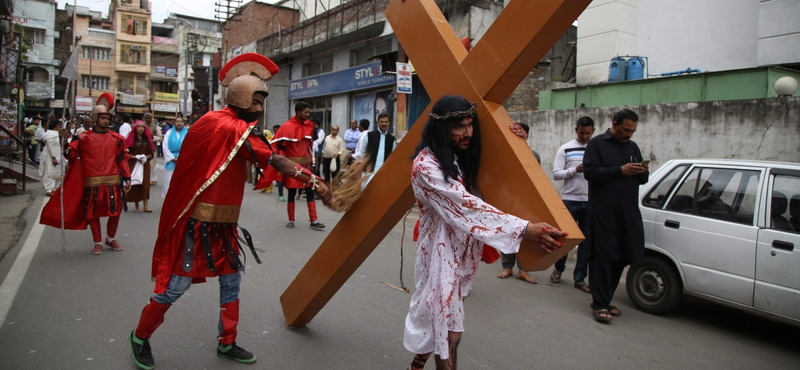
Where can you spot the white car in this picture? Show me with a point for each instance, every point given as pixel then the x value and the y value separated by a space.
pixel 727 231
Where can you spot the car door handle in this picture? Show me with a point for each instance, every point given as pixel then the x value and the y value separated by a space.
pixel 672 224
pixel 782 245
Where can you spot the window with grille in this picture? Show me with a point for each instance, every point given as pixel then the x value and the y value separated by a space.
pixel 125 83
pixel 34 36
pixel 362 56
pixel 96 53
pixel 166 60
pixel 133 25
pixel 97 82
pixel 319 66
pixel 133 54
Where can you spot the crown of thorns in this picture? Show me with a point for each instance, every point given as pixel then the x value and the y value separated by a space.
pixel 455 114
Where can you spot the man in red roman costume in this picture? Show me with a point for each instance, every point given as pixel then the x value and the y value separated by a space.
pixel 197 233
pixel 294 140
pixel 97 173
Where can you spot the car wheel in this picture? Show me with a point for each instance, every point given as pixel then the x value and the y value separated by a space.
pixel 654 286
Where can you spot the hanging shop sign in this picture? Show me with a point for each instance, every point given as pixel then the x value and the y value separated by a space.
pixel 357 78
pixel 162 96
pixel 83 104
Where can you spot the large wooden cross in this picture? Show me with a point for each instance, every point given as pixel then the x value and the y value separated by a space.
pixel 510 177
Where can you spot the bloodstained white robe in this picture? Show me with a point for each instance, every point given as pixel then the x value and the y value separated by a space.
pixel 454 225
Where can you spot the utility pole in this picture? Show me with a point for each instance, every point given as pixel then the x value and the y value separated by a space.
pixel 226 12
pixel 91 79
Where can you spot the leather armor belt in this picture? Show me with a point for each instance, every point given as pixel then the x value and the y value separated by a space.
pixel 101 180
pixel 215 213
pixel 300 160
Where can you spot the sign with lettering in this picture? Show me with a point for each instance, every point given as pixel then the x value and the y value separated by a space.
pixel 404 78
pixel 8 118
pixel 83 104
pixel 352 79
pixel 162 96
pixel 161 69
pixel 172 72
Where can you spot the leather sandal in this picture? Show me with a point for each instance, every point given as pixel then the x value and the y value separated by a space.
pixel 614 311
pixel 555 277
pixel 601 315
pixel 583 287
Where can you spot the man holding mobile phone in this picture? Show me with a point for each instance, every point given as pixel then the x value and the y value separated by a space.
pixel 614 167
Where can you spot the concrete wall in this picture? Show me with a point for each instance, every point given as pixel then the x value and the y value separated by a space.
pixel 710 35
pixel 758 129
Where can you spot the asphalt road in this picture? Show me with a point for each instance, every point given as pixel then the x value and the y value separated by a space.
pixel 74 310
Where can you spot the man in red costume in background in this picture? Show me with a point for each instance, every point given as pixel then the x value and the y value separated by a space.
pixel 197 233
pixel 294 140
pixel 97 173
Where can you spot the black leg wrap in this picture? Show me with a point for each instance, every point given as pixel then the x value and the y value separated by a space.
pixel 188 253
pixel 204 230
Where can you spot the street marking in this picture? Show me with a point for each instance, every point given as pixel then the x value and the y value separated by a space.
pixel 17 273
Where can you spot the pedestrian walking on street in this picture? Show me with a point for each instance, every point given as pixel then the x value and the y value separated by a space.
pixel 171 147
pixel 141 151
pixel 198 235
pixel 568 166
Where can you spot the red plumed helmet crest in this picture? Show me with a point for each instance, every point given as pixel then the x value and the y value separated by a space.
pixel 247 64
pixel 106 99
pixel 104 105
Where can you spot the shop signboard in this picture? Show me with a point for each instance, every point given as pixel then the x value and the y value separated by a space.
pixel 162 96
pixel 365 76
pixel 403 78
pixel 83 104
pixel 171 108
pixel 9 111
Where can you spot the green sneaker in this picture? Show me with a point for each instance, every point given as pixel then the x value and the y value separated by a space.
pixel 235 353
pixel 140 350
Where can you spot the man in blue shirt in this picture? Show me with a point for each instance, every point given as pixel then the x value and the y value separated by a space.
pixel 351 137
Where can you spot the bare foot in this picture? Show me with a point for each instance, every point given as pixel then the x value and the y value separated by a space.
pixel 137 210
pixel 506 273
pixel 522 275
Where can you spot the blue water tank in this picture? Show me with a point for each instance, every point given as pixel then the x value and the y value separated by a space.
pixel 634 69
pixel 616 70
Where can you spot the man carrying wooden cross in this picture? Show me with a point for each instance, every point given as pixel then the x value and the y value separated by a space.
pixel 455 222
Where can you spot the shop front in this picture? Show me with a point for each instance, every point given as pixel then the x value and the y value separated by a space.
pixel 354 93
pixel 135 105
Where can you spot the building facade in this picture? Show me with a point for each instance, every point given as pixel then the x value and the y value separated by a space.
pixel 131 24
pixel 342 61
pixel 36 20
pixel 199 39
pixel 707 35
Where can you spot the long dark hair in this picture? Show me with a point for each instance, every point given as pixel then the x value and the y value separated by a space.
pixel 436 137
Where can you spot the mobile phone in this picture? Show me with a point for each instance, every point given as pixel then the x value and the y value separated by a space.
pixel 646 162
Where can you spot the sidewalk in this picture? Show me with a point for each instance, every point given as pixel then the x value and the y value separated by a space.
pixel 13 207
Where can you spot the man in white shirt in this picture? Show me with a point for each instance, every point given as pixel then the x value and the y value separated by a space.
pixel 125 128
pixel 568 166
pixel 319 137
pixel 363 126
pixel 332 150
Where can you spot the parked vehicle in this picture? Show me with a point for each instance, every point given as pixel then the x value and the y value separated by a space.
pixel 727 231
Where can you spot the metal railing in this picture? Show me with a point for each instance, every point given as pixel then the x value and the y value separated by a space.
pixel 21 144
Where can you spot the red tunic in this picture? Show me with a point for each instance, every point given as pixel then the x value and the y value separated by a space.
pixel 93 185
pixel 207 148
pixel 296 139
